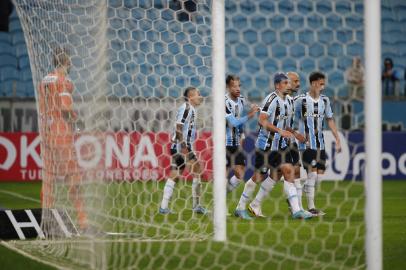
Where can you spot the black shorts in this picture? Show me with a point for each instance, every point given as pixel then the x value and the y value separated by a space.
pixel 265 160
pixel 235 156
pixel 178 160
pixel 295 153
pixel 314 159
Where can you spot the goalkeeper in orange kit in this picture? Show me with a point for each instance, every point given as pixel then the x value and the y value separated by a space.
pixel 57 119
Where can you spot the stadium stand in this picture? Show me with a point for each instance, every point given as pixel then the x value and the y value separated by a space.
pixel 257 46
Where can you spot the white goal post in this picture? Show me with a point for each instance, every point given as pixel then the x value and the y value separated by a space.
pixel 373 135
pixel 219 69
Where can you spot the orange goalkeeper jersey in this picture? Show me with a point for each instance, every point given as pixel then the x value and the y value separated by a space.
pixel 55 106
pixel 55 100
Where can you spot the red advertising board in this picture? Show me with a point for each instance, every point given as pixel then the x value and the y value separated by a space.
pixel 117 156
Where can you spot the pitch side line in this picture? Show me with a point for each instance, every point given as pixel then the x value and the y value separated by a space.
pixel 31 257
pixel 100 240
pixel 270 251
pixel 168 229
pixel 17 195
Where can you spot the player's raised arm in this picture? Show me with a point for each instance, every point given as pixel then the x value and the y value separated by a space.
pixel 236 122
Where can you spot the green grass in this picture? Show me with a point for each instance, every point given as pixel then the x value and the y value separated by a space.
pixel 334 241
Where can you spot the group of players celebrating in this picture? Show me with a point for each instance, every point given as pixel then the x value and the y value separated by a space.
pixel 290 135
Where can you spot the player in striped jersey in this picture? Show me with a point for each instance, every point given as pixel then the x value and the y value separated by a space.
pixel 268 184
pixel 310 111
pixel 272 151
pixel 296 147
pixel 235 104
pixel 182 151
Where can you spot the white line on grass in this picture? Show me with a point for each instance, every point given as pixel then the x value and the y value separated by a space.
pixel 25 254
pixel 134 240
pixel 103 240
pixel 170 229
pixel 17 195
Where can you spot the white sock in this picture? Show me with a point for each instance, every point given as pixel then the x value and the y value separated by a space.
pixel 309 188
pixel 249 188
pixel 168 191
pixel 298 186
pixel 196 186
pixel 233 183
pixel 266 187
pixel 291 194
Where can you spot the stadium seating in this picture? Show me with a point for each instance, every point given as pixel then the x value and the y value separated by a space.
pixel 15 25
pixel 6 88
pixel 304 35
pixel 8 73
pixel 6 48
pixel 8 60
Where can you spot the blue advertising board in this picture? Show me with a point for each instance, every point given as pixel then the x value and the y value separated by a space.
pixel 350 163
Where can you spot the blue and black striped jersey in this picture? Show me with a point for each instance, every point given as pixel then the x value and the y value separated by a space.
pixel 186 116
pixel 234 120
pixel 309 115
pixel 280 114
pixel 299 126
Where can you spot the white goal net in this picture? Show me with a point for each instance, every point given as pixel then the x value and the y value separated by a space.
pixel 120 69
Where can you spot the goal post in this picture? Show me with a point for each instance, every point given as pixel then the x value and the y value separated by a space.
pixel 219 86
pixel 373 135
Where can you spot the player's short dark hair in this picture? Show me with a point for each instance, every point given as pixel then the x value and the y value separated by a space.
pixel 231 77
pixel 187 91
pixel 279 77
pixel 60 57
pixel 315 76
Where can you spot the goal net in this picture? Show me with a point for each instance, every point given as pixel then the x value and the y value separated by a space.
pixel 120 69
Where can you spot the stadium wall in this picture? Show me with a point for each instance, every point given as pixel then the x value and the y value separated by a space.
pixel 20 115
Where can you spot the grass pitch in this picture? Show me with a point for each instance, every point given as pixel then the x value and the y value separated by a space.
pixel 335 241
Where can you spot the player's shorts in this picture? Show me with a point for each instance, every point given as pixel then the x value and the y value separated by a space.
pixel 315 159
pixel 235 156
pixel 295 153
pixel 178 159
pixel 265 160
